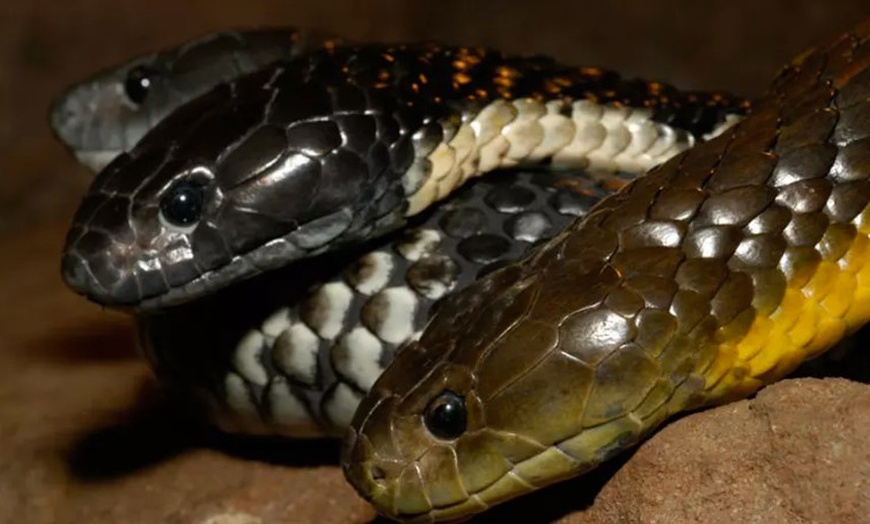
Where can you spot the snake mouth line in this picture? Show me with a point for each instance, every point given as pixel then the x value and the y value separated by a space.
pixel 239 268
pixel 314 238
pixel 96 159
pixel 484 498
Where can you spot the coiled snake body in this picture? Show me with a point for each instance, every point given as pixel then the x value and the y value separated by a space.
pixel 714 274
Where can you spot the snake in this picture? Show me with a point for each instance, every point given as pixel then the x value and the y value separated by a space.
pixel 343 144
pixel 710 276
pixel 295 356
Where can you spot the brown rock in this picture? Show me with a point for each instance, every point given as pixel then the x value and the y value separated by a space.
pixel 87 436
pixel 798 452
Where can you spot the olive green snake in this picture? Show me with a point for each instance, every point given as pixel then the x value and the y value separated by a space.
pixel 713 274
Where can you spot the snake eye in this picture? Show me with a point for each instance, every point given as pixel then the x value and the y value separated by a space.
pixel 182 203
pixel 446 417
pixel 138 83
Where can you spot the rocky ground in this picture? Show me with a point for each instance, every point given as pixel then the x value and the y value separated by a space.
pixel 87 436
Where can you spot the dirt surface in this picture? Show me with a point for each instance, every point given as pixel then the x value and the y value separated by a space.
pixel 88 437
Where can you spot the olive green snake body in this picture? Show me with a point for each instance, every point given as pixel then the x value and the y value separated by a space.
pixel 710 276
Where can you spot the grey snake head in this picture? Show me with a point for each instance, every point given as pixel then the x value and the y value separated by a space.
pixel 107 114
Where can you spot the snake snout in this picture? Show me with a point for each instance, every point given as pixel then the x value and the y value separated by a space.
pixel 75 274
pixel 87 278
pixel 60 116
pixel 95 267
pixel 72 117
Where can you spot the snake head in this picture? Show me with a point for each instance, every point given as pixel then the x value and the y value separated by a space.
pixel 410 455
pixel 460 419
pixel 108 113
pixel 525 378
pixel 243 179
pixel 99 119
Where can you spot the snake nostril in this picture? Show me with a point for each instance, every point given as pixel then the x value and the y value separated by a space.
pixel 347 446
pixel 74 273
pixel 378 474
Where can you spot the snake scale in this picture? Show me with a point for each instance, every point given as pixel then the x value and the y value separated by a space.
pixel 713 274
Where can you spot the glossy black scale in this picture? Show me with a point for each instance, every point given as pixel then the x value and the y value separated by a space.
pixel 463 222
pixel 431 74
pixel 529 226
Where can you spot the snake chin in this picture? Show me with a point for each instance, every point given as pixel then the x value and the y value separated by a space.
pixel 96 160
pixel 395 462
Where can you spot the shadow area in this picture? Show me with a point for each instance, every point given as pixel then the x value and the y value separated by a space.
pixel 102 340
pixel 152 431
pixel 850 359
pixel 164 425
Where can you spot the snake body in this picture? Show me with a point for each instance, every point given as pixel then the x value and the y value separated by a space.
pixel 343 144
pixel 712 275
pixel 296 349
